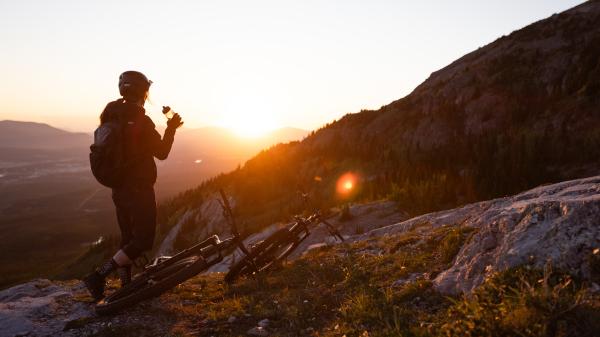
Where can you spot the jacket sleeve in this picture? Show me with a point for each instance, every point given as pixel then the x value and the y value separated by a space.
pixel 161 146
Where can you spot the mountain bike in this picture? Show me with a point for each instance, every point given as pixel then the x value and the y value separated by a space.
pixel 166 272
pixel 278 246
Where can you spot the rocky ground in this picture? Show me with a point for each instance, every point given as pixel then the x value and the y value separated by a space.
pixel 557 223
pixel 527 265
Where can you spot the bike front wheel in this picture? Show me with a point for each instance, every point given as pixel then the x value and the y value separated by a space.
pixel 151 284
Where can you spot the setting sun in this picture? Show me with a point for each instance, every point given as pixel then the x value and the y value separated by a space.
pixel 250 114
pixel 348 185
pixel 246 127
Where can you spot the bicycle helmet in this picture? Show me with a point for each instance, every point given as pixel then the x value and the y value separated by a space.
pixel 133 83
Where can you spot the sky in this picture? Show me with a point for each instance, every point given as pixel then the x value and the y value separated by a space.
pixel 247 65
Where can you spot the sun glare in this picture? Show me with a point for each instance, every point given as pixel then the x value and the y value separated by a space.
pixel 250 115
pixel 251 128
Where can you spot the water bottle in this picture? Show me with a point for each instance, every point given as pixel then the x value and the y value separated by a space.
pixel 168 112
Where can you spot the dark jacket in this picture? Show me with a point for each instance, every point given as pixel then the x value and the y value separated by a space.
pixel 141 141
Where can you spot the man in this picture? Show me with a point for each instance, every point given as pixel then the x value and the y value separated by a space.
pixel 133 198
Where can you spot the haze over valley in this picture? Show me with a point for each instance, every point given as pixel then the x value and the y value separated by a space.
pixel 49 198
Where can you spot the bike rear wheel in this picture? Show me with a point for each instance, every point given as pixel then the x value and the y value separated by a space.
pixel 151 284
pixel 267 254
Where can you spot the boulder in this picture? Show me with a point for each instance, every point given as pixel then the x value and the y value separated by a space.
pixel 558 223
pixel 41 308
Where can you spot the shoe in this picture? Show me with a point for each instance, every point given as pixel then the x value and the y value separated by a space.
pixel 124 275
pixel 95 285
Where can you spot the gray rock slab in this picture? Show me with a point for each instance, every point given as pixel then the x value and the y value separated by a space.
pixel 40 308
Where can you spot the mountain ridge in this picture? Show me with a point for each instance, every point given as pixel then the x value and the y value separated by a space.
pixel 516 113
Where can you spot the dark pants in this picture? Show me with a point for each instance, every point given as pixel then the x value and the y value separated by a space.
pixel 136 214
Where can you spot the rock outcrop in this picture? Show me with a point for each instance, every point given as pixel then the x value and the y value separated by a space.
pixel 42 308
pixel 557 223
pixel 207 220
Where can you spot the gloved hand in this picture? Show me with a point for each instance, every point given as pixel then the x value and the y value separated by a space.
pixel 175 122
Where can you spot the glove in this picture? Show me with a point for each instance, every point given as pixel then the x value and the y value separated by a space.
pixel 175 122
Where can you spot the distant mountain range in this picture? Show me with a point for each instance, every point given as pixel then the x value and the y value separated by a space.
pixel 196 154
pixel 30 135
pixel 206 141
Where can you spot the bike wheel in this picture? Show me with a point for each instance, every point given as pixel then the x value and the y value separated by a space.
pixel 236 269
pixel 153 284
pixel 267 254
pixel 246 261
pixel 277 253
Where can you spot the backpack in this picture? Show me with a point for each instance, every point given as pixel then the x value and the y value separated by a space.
pixel 107 158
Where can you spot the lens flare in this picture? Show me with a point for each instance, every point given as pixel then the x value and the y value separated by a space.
pixel 346 184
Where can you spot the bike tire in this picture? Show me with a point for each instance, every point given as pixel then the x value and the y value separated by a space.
pixel 247 260
pixel 234 271
pixel 174 274
pixel 281 252
pixel 274 249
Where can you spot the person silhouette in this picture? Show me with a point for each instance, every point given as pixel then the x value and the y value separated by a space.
pixel 134 198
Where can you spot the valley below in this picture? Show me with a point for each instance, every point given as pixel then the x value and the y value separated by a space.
pixel 51 207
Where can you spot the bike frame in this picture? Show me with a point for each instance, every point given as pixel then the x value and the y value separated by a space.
pixel 207 248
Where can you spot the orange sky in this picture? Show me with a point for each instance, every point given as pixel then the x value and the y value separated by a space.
pixel 248 65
